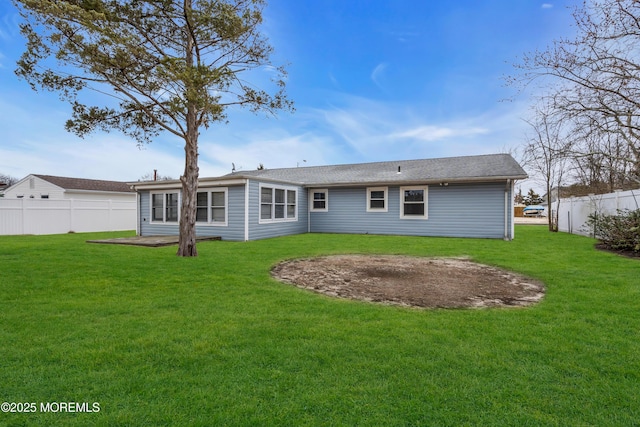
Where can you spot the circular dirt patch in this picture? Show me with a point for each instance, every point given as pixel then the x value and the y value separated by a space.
pixel 411 281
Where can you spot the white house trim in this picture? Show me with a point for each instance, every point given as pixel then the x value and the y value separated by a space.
pixel 312 193
pixel 274 203
pixel 385 199
pixel 425 201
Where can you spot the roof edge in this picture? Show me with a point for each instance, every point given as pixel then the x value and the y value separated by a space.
pixel 176 183
pixel 415 182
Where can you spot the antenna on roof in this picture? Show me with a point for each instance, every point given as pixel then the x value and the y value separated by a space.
pixel 233 167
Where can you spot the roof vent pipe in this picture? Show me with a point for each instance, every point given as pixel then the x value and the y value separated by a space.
pixel 399 169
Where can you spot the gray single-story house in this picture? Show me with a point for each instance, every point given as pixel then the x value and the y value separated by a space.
pixel 470 196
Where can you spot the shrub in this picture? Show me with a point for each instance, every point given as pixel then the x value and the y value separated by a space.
pixel 619 232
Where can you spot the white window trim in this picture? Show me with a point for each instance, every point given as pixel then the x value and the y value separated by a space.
pixel 210 221
pixel 273 219
pixel 326 200
pixel 164 206
pixel 425 188
pixel 386 199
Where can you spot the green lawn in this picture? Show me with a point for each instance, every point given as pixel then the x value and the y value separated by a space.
pixel 159 340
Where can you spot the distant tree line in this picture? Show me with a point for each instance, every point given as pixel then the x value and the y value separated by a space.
pixel 531 198
pixel 7 180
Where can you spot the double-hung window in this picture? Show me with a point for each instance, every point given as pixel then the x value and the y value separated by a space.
pixel 164 207
pixel 413 202
pixel 212 206
pixel 278 204
pixel 377 199
pixel 319 200
pixel 291 203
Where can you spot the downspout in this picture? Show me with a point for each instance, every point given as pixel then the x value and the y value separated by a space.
pixel 512 207
pixel 309 201
pixel 138 225
pixel 506 210
pixel 246 211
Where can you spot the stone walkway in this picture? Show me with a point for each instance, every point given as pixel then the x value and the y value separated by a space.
pixel 149 241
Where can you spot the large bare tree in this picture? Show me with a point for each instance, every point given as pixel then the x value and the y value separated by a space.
pixel 165 65
pixel 593 79
pixel 547 153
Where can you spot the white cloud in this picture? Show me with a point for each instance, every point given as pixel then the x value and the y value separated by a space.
pixel 103 157
pixel 375 131
pixel 8 26
pixel 334 81
pixel 272 148
pixel 547 5
pixel 34 141
pixel 437 133
pixel 404 36
pixel 350 130
pixel 378 74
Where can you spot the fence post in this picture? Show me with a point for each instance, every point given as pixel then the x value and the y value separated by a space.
pixel 71 214
pixel 109 208
pixel 617 199
pixel 23 215
pixel 571 199
pixel 593 210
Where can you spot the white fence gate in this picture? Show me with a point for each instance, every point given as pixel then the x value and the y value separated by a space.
pixel 574 211
pixel 47 216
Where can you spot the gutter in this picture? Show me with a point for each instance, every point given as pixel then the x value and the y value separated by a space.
pixel 176 183
pixel 106 192
pixel 411 182
pixel 240 179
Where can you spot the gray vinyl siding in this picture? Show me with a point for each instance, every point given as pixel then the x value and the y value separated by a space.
pixel 259 230
pixel 234 230
pixel 471 210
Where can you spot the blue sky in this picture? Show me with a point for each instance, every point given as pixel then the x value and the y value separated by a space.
pixel 371 80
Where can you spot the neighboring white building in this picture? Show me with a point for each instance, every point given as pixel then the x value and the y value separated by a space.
pixel 58 187
pixel 44 204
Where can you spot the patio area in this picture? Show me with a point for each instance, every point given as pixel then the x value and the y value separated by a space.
pixel 149 241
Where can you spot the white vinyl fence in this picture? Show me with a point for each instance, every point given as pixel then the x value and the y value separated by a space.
pixel 46 216
pixel 574 212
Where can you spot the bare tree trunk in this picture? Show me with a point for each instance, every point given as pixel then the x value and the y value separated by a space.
pixel 187 240
pixel 189 179
pixel 550 219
